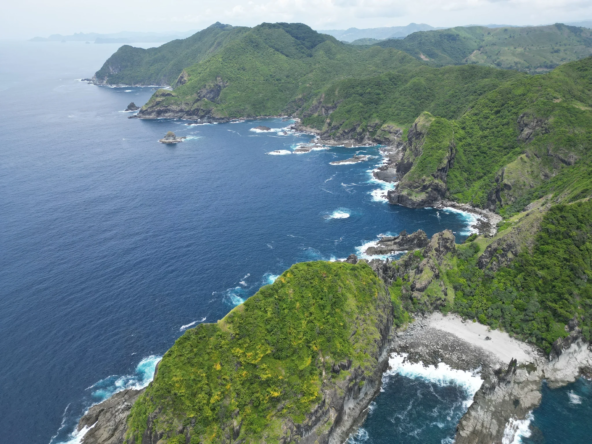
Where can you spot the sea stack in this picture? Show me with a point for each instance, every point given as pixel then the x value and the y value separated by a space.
pixel 132 107
pixel 171 139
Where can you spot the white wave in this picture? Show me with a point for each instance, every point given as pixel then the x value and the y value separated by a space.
pixel 192 137
pixel 237 121
pixel 142 376
pixel 442 374
pixel 471 219
pixel 77 436
pixel 573 398
pixel 279 153
pixel 339 213
pixel 361 250
pixel 128 91
pixel 243 283
pixel 330 178
pixel 269 278
pixel 380 194
pixel 235 296
pixel 358 437
pixel 185 327
pixel 517 429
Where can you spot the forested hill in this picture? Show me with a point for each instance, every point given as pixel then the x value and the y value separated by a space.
pixel 161 66
pixel 271 69
pixel 532 49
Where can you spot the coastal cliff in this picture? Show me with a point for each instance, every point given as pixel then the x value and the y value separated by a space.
pixel 305 377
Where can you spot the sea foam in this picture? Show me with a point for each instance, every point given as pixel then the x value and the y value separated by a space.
pixel 441 374
pixel 517 429
pixel 470 219
pixel 142 376
pixel 339 213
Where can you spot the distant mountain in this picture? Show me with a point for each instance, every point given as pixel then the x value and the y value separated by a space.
pixel 119 37
pixel 532 49
pixel 584 24
pixel 393 32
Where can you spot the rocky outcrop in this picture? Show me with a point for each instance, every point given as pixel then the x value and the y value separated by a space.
pixel 423 189
pixel 262 128
pixel 508 396
pixel 403 242
pixel 195 108
pixel 170 139
pixel 529 126
pixel 105 423
pixel 132 107
pixel 418 272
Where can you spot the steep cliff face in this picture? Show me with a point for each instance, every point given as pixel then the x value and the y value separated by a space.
pixel 427 157
pixel 297 362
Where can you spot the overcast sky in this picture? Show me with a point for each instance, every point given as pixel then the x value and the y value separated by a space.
pixel 23 19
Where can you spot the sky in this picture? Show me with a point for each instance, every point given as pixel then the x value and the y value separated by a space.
pixel 25 19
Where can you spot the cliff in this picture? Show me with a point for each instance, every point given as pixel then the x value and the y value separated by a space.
pixel 297 362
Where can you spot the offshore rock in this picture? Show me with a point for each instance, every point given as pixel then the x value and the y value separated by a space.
pixel 171 139
pixel 132 107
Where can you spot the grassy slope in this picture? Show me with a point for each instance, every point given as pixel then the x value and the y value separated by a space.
pixel 532 49
pixel 276 68
pixel 162 65
pixel 267 359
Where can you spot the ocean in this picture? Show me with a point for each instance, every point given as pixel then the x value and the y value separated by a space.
pixel 114 244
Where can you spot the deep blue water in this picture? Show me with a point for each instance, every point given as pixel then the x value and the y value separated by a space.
pixel 112 243
pixel 563 416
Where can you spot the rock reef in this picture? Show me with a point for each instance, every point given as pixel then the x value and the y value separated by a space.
pixel 170 139
pixel 403 242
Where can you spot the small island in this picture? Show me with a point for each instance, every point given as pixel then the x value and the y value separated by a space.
pixel 356 159
pixel 132 107
pixel 262 128
pixel 170 139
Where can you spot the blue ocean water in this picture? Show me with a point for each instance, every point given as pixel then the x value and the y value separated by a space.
pixel 112 244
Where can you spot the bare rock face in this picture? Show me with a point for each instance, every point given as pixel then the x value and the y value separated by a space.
pixel 106 422
pixel 402 242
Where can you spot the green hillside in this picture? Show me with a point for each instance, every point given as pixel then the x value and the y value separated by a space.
pixel 259 373
pixel 531 49
pixel 494 138
pixel 162 65
pixel 272 69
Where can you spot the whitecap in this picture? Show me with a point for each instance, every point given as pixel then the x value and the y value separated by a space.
pixel 185 327
pixel 192 137
pixel 573 398
pixel 128 91
pixel 442 374
pixel 516 429
pixel 279 153
pixel 339 213
pixel 380 194
pixel 141 377
pixel 361 250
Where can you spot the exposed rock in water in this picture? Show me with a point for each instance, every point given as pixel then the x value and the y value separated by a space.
pixel 106 422
pixel 132 107
pixel 402 242
pixel 352 259
pixel 263 128
pixel 170 138
pixel 356 159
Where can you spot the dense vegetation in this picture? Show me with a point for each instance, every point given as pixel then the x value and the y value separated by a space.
pixel 163 65
pixel 532 49
pixel 267 359
pixel 399 97
pixel 275 69
pixel 541 291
